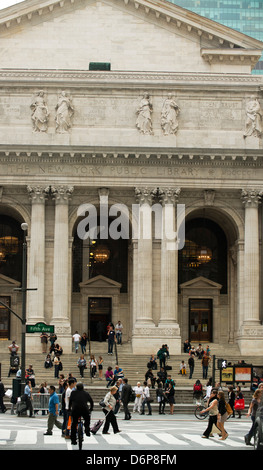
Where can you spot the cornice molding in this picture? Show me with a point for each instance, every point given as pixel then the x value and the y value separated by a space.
pixel 83 78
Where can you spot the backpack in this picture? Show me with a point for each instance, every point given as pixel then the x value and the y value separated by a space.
pixel 198 388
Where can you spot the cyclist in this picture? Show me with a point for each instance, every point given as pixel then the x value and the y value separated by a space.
pixel 78 404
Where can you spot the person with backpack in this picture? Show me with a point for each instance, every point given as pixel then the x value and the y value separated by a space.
pixel 205 363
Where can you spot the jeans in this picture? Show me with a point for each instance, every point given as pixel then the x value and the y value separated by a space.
pixel 110 347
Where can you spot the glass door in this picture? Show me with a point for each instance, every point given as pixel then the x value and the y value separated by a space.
pixel 200 320
pixel 99 317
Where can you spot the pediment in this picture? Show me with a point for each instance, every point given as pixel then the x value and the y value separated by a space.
pixel 8 282
pixel 101 282
pixel 200 283
pixel 119 32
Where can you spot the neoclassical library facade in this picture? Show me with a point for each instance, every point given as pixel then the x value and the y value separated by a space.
pixel 109 110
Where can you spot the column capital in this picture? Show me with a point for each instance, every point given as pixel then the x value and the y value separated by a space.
pixel 169 195
pixel 251 197
pixel 37 194
pixel 61 193
pixel 145 195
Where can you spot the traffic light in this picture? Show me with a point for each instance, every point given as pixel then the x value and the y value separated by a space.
pixel 221 363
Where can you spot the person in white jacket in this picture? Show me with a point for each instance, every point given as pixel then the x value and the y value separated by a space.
pixel 138 399
pixel 145 399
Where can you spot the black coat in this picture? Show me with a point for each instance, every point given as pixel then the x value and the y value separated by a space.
pixel 79 400
pixel 126 393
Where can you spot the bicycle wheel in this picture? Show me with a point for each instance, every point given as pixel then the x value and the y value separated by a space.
pixel 199 415
pixel 80 435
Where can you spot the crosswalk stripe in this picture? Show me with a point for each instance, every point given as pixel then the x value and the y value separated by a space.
pixel 142 439
pixel 115 439
pixel 26 437
pixel 201 441
pixel 169 439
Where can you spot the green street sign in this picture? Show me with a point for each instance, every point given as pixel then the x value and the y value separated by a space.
pixel 40 328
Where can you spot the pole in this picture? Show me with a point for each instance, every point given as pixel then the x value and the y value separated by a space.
pixel 24 291
pixel 213 371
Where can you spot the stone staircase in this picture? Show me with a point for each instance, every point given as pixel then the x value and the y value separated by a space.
pixel 134 366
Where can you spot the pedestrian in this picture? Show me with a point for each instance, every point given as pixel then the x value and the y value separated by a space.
pixel 43 391
pixel 13 348
pixel 231 399
pixel 125 398
pixel 170 397
pixel 30 375
pixel 82 365
pixel 48 362
pixel 138 397
pixel 78 404
pixel 63 408
pixel 182 370
pixel 160 399
pixel 2 394
pixel 110 403
pixel 111 339
pixel 239 396
pixel 205 363
pixel 44 340
pixel 222 414
pixel 76 338
pixel 83 342
pixel 212 408
pixel 146 399
pixel 109 375
pixel 53 409
pixel 100 367
pixel 162 355
pixel 71 386
pixel 198 391
pixel 117 396
pixel 93 363
pixel 252 413
pixel 57 365
pixel 119 331
pixel 191 363
pixel 209 387
pixel 28 398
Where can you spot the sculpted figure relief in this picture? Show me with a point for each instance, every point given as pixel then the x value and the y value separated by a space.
pixel 144 120
pixel 170 111
pixel 40 113
pixel 254 118
pixel 64 113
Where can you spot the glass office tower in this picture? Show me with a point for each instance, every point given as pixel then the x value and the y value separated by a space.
pixel 245 16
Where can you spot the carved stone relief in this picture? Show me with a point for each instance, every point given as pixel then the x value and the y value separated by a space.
pixel 64 112
pixel 144 120
pixel 170 112
pixel 254 116
pixel 40 113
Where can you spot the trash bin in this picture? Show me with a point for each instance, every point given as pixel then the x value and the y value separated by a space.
pixel 16 388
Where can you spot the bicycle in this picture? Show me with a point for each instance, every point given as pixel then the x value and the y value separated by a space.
pixel 200 407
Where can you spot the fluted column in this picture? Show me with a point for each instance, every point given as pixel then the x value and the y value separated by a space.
pixel 251 199
pixel 61 195
pixel 36 265
pixel 143 276
pixel 169 257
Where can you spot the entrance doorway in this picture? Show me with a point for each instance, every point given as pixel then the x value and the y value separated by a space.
pixel 200 320
pixel 99 317
pixel 4 318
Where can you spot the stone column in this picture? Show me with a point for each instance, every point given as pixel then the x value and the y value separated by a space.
pixel 169 258
pixel 251 199
pixel 36 268
pixel 61 270
pixel 144 257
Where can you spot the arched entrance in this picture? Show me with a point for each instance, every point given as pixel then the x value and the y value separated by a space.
pixel 207 276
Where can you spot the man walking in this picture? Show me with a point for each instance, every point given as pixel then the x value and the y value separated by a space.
pixel 125 398
pixel 191 363
pixel 53 408
pixel 205 363
pixel 78 404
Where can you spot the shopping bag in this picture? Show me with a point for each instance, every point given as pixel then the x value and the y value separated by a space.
pixel 239 404
pixel 69 423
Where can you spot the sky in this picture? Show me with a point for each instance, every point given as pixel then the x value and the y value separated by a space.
pixel 8 3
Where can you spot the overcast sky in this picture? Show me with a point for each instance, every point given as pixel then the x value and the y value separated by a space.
pixel 8 3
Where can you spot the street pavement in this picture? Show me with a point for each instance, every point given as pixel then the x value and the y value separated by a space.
pixel 156 433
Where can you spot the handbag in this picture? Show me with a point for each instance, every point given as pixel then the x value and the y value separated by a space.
pixel 102 403
pixel 229 409
pixel 239 404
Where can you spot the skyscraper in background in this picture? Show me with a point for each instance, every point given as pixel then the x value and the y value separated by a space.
pixel 245 16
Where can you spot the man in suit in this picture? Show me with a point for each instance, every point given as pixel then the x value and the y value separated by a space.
pixel 125 398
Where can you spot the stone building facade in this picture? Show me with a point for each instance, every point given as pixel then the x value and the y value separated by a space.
pixel 119 104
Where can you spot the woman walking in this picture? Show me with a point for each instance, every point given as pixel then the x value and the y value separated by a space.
pixel 213 412
pixel 252 413
pixel 222 415
pixel 110 403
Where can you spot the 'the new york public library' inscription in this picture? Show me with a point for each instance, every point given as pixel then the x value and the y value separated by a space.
pixel 115 171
